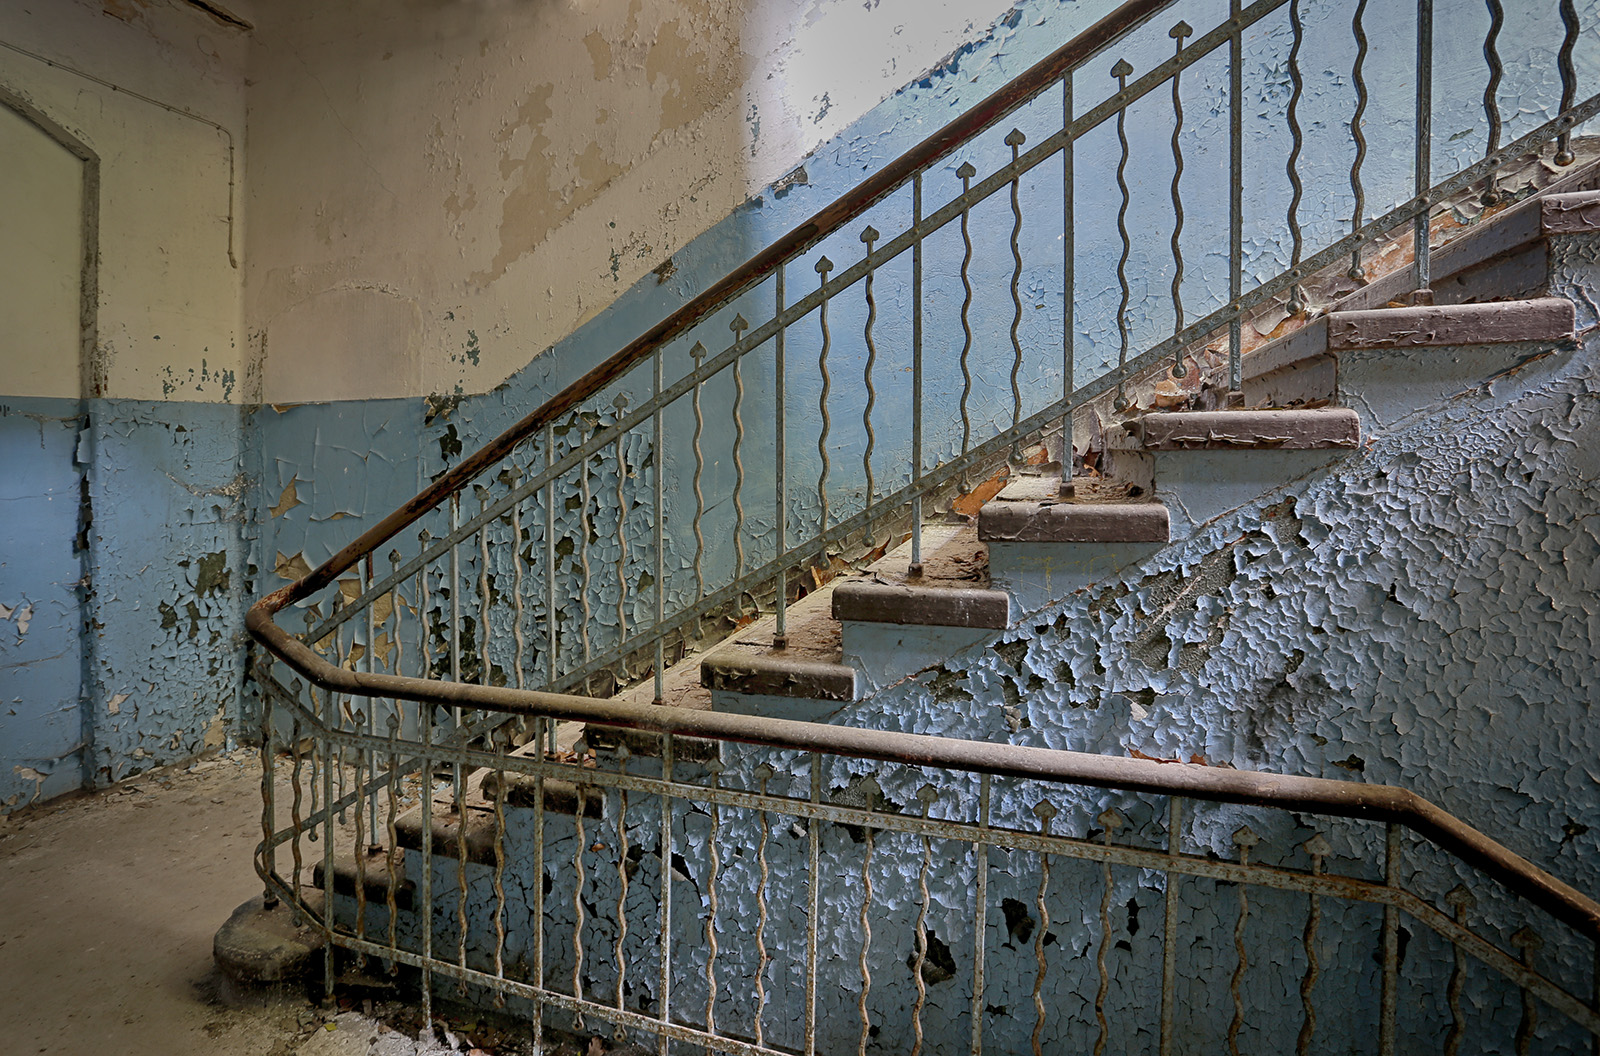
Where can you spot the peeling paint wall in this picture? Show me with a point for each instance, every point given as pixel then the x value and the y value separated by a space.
pixel 120 373
pixel 439 192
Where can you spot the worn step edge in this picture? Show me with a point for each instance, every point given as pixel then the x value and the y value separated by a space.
pixel 446 830
pixel 1451 325
pixel 780 676
pixel 560 796
pixel 1571 213
pixel 931 606
pixel 1246 430
pixel 1074 522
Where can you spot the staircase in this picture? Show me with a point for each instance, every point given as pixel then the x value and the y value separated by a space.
pixel 684 753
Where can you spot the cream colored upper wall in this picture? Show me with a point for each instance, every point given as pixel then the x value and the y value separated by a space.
pixel 439 189
pixel 170 294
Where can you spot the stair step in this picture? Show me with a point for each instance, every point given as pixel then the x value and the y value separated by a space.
pixel 560 797
pixel 952 589
pixel 447 830
pixel 809 666
pixel 347 877
pixel 1447 325
pixel 1281 430
pixel 1573 213
pixel 1074 520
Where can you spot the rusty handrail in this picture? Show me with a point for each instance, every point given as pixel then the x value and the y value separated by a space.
pixel 1315 795
pixel 824 222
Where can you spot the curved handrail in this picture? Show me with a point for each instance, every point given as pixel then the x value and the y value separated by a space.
pixel 1284 791
pixel 824 222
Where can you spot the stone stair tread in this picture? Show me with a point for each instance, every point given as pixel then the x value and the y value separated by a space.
pixel 1243 430
pixel 1445 325
pixel 1570 213
pixel 952 591
pixel 1075 521
pixel 810 665
pixel 376 861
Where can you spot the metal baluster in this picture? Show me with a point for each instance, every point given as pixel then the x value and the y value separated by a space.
pixel 1235 199
pixel 538 921
pixel 1110 821
pixel 1529 942
pixel 550 580
pixel 584 516
pixel 1422 269
pixel 698 354
pixel 866 943
pixel 714 767
pixel 1045 811
pixel 330 894
pixel 517 637
pixel 657 466
pixel 1318 848
pixel 980 923
pixel 869 236
pixel 622 887
pixel 824 266
pixel 455 631
pixel 1491 101
pixel 392 852
pixel 1391 943
pixel 927 794
pixel 461 869
pixel 1244 839
pixel 621 404
pixel 1297 294
pixel 1121 71
pixel 1169 928
pixel 763 774
pixel 1068 283
pixel 296 822
pixel 577 901
pixel 500 869
pixel 1014 140
pixel 813 885
pixel 359 851
pixel 915 567
pixel 738 326
pixel 965 171
pixel 1177 33
pixel 1359 137
pixel 780 634
pixel 269 807
pixel 1569 78
pixel 664 1004
pixel 484 665
pixel 1460 901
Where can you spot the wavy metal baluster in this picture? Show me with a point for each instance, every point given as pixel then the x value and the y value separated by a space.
pixel 1169 928
pixel 980 923
pixel 866 942
pixel 623 754
pixel 269 804
pixel 1121 71
pixel 1297 294
pixel 621 404
pixel 1244 838
pixel 1529 942
pixel 1356 188
pixel 714 767
pixel 738 326
pixel 823 267
pixel 1177 33
pixel 869 236
pixel 1569 78
pixel 296 819
pixel 461 875
pixel 966 172
pixel 584 514
pixel 763 774
pixel 1045 811
pixel 1014 140
pixel 1318 848
pixel 1460 901
pixel 1390 983
pixel 698 354
pixel 927 794
pixel 1110 822
pixel 577 902
pixel 499 876
pixel 1491 92
pixel 392 854
pixel 538 918
pixel 360 852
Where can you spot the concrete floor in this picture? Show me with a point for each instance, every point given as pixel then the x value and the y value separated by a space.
pixel 108 903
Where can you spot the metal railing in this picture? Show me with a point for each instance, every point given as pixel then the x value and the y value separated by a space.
pixel 588 553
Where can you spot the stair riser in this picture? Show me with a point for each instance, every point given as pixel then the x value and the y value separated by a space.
pixel 1390 388
pixel 1199 486
pixel 885 653
pixel 1037 574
